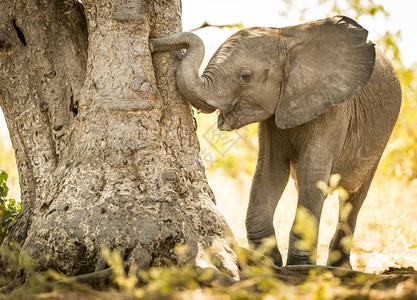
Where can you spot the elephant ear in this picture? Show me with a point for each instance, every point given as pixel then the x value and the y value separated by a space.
pixel 329 62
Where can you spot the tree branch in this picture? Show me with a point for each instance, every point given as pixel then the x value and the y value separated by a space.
pixel 205 24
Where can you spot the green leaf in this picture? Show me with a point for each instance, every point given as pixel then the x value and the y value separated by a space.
pixel 5 190
pixel 3 176
pixel 9 208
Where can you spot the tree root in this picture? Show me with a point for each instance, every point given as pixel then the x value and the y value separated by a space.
pixel 17 280
pixel 297 274
pixel 89 278
pixel 305 270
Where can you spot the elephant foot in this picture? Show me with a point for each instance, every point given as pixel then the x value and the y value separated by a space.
pixel 297 257
pixel 343 261
pixel 267 249
pixel 276 257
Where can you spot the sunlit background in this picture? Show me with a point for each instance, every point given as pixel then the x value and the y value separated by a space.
pixel 275 13
pixel 387 227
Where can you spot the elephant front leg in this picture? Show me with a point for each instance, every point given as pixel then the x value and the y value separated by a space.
pixel 259 226
pixel 271 177
pixel 302 248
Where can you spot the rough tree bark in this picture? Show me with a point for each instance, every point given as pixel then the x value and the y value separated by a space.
pixel 106 148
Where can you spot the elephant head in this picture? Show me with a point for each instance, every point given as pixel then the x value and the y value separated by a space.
pixel 295 72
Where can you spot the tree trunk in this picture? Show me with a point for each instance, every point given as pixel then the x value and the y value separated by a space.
pixel 106 148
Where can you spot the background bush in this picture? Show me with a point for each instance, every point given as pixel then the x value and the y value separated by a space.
pixel 9 208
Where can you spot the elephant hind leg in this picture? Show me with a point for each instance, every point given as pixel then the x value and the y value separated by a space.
pixel 341 243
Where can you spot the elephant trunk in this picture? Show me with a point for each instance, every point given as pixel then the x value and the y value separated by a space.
pixel 193 87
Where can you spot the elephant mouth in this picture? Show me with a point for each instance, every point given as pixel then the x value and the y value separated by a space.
pixel 231 117
pixel 221 122
pixel 222 117
pixel 241 114
pixel 221 113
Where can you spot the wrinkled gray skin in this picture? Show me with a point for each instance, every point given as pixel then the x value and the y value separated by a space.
pixel 326 102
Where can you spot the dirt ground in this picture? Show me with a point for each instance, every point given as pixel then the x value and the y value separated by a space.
pixel 386 234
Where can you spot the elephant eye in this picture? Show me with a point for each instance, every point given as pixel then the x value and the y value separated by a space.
pixel 245 76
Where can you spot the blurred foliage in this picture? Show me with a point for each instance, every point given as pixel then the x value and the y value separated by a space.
pixel 356 8
pixel 259 280
pixel 8 162
pixel 400 157
pixel 233 152
pixel 9 208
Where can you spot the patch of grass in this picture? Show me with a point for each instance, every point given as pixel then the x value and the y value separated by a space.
pixel 259 280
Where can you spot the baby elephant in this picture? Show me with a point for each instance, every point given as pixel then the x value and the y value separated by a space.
pixel 326 103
